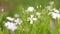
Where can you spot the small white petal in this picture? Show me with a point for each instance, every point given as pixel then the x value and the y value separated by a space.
pixel 37 13
pixel 35 19
pixel 31 16
pixel 7 23
pixel 54 17
pixel 10 19
pixel 31 22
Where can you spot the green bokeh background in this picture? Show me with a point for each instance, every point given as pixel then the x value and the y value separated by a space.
pixel 29 2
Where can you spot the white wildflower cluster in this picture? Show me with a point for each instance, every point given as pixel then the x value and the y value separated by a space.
pixel 31 19
pixel 55 14
pixel 12 22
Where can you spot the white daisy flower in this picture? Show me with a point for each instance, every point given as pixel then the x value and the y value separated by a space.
pixel 31 19
pixel 10 19
pixel 11 26
pixel 30 9
pixel 54 15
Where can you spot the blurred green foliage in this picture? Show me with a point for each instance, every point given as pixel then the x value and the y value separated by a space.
pixel 17 5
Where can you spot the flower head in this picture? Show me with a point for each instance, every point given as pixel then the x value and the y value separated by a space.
pixel 31 19
pixel 11 26
pixel 18 21
pixel 48 7
pixel 30 9
pixel 55 10
pixel 55 15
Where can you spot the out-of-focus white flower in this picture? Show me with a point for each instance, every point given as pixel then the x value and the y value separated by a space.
pixel 55 10
pixel 38 14
pixel 18 21
pixel 11 26
pixel 51 3
pixel 10 19
pixel 31 16
pixel 30 9
pixel 31 19
pixel 48 7
pixel 55 15
pixel 2 10
pixel 16 15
